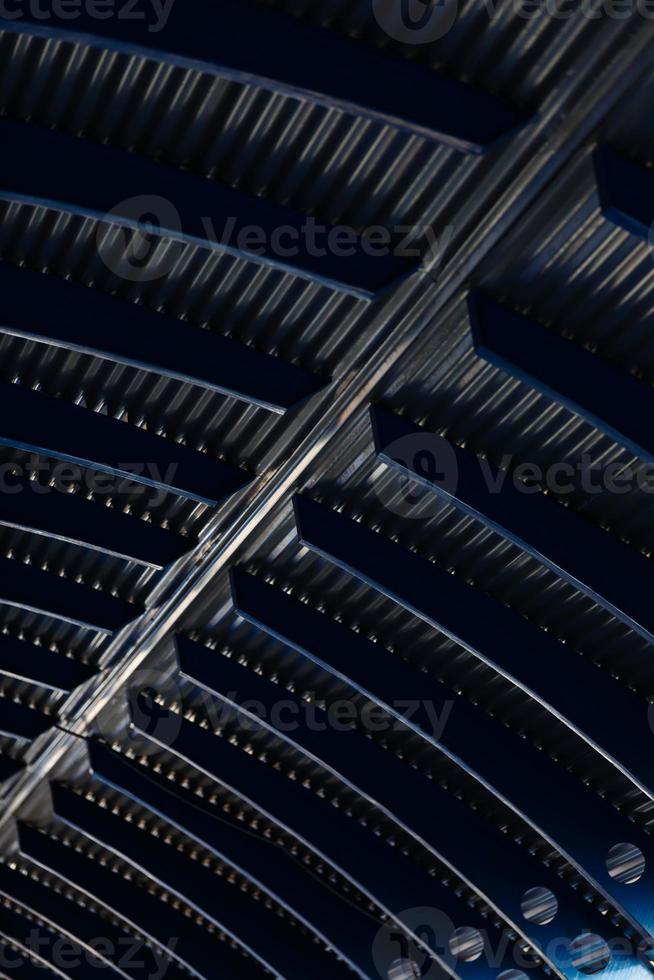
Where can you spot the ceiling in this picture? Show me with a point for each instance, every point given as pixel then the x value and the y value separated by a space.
pixel 287 687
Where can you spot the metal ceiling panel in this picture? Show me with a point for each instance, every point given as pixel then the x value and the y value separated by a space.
pixel 324 577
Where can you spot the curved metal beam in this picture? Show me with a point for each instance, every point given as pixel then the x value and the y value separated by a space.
pixel 524 654
pixel 462 838
pixel 189 944
pixel 73 922
pixel 610 399
pixel 245 920
pixel 388 878
pixel 50 595
pixel 30 506
pixel 39 423
pixel 480 744
pixel 166 203
pixel 65 314
pixel 346 930
pixel 252 45
pixel 27 934
pixel 33 664
pixel 614 575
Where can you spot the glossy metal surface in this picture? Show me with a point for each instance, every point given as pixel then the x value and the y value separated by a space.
pixel 241 41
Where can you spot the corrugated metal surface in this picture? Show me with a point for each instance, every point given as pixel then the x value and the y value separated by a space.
pixel 186 828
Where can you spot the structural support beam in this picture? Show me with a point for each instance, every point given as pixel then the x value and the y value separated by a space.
pixel 65 314
pixel 462 838
pixel 270 869
pixel 33 664
pixel 465 733
pixel 388 878
pixel 23 967
pixel 39 423
pixel 39 509
pixel 167 204
pixel 35 951
pixel 189 944
pixel 50 595
pixel 81 961
pixel 245 920
pixel 614 575
pixel 610 399
pixel 626 191
pixel 83 928
pixel 247 43
pixel 511 645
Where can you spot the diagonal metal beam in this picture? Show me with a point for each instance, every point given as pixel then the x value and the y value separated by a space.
pixel 602 79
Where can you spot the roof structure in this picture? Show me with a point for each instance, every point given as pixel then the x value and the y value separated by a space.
pixel 326 366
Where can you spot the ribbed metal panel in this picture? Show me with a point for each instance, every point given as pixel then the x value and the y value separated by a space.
pixel 140 799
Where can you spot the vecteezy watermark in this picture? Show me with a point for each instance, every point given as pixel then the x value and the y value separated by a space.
pixel 398 954
pixel 415 21
pixel 147 235
pixel 154 13
pixel 425 21
pixel 127 953
pixel 423 468
pixel 155 702
pixel 40 476
pixel 152 702
pixel 288 715
pixel 143 243
pixel 319 240
pixel 410 946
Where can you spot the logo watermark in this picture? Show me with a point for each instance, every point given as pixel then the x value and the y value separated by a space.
pixel 66 954
pixel 41 477
pixel 153 692
pixel 425 21
pixel 147 237
pixel 134 248
pixel 415 21
pixel 423 468
pixel 288 715
pixel 153 13
pixel 430 933
pixel 153 700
